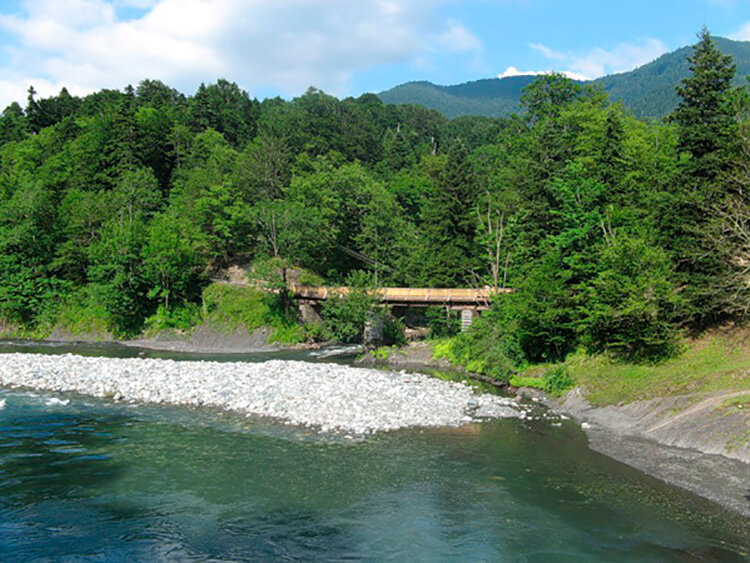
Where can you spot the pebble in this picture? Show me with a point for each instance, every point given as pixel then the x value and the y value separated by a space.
pixel 329 397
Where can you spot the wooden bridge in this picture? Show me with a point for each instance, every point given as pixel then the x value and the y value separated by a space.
pixel 468 301
pixel 409 296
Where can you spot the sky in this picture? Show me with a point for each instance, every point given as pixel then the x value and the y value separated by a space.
pixel 344 47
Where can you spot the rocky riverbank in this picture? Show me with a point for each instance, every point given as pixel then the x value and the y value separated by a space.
pixel 326 396
pixel 698 441
pixel 206 338
pixel 692 441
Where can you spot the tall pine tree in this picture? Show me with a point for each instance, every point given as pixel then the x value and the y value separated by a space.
pixel 707 134
pixel 450 221
pixel 704 116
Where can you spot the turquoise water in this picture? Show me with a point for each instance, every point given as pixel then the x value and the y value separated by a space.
pixel 81 478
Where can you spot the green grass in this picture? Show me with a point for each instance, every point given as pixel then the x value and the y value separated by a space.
pixel 718 361
pixel 180 319
pixel 288 334
pixel 81 314
pixel 445 348
pixel 737 403
pixel 555 380
pixel 383 352
pixel 238 307
pixel 36 332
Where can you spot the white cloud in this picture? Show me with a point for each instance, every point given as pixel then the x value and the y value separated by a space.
pixel 513 71
pixel 285 45
pixel 459 39
pixel 141 4
pixel 547 52
pixel 622 58
pixel 599 62
pixel 742 34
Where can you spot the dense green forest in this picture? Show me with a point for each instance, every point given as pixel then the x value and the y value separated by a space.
pixel 616 234
pixel 648 91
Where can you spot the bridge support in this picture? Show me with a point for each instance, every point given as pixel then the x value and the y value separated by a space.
pixel 309 312
pixel 373 331
pixel 467 318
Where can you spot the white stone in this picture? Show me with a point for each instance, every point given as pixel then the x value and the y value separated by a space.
pixel 330 397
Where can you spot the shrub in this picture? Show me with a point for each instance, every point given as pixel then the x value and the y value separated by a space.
pixel 490 346
pixel 243 307
pixel 555 381
pixel 632 304
pixel 345 315
pixel 237 307
pixel 393 330
pixel 83 313
pixel 180 317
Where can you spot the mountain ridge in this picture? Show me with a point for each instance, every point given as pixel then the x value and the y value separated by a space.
pixel 649 90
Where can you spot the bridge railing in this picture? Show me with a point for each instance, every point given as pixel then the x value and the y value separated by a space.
pixel 480 297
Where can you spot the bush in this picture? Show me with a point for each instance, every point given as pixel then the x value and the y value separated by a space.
pixel 393 330
pixel 490 346
pixel 345 315
pixel 236 307
pixel 633 303
pixel 83 313
pixel 180 317
pixel 555 381
pixel 317 332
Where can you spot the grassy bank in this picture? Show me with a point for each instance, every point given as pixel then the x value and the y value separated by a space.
pixel 243 308
pixel 716 361
pixel 226 307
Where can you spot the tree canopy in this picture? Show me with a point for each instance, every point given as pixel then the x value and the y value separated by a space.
pixel 602 223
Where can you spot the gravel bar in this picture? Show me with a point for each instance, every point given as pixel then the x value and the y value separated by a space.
pixel 329 397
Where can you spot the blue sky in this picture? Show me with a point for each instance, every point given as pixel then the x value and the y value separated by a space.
pixel 346 47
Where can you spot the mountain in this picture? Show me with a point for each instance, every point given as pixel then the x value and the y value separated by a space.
pixel 649 90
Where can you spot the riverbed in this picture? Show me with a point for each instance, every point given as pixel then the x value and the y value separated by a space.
pixel 87 477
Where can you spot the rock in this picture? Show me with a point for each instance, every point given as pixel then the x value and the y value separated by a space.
pixel 331 397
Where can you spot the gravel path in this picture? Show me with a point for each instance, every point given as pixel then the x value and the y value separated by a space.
pixel 330 397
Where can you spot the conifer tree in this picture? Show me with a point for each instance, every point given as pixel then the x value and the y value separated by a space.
pixel 707 133
pixel 704 115
pixel 450 220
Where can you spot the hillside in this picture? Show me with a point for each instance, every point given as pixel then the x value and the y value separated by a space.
pixel 491 97
pixel 649 90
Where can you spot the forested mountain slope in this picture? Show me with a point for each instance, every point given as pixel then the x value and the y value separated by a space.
pixel 118 207
pixel 648 91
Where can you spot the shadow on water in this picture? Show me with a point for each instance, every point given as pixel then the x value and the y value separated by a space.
pixel 62 455
pixel 549 470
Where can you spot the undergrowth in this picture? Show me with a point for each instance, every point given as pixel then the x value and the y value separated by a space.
pixel 239 307
pixel 555 381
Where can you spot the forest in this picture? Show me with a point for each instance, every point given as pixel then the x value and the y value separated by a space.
pixel 617 235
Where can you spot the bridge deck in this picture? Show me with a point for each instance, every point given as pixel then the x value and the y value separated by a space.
pixel 413 296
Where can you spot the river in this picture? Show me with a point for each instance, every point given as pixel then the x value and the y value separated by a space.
pixel 88 478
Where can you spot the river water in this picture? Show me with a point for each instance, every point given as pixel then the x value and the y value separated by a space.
pixel 88 479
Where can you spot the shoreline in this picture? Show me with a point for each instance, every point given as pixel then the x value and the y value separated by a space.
pixel 329 397
pixel 671 438
pixel 659 440
pixel 207 338
pixel 678 452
